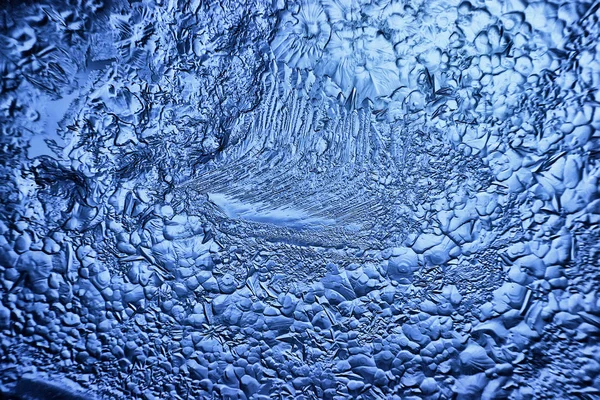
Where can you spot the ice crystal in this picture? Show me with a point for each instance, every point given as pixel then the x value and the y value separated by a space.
pixel 299 199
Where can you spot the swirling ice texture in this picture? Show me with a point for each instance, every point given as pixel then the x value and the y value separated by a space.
pixel 307 200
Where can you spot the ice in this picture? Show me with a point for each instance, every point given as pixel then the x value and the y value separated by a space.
pixel 299 199
pixel 261 213
pixel 302 36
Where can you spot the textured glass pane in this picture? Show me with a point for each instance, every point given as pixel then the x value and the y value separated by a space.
pixel 315 199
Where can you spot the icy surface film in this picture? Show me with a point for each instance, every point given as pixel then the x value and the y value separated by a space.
pixel 315 199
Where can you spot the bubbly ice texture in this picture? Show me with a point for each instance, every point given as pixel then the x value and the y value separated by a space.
pixel 325 199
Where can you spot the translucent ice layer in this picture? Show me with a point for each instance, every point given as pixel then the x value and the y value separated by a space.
pixel 316 199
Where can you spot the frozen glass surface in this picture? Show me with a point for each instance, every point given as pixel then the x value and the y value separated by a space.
pixel 315 199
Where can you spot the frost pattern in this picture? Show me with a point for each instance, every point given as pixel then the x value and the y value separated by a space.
pixel 306 199
pixel 303 35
